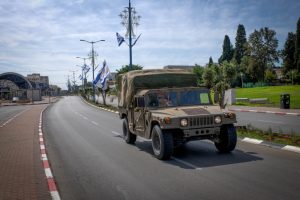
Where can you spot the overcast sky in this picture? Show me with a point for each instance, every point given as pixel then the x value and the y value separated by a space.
pixel 42 36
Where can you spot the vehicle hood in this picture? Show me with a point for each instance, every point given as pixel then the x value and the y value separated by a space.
pixel 187 111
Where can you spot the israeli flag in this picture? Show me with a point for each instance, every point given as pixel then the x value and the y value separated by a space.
pixel 120 39
pixel 102 77
pixel 85 68
pixel 80 77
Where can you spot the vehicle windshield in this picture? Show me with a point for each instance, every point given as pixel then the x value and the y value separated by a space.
pixel 177 98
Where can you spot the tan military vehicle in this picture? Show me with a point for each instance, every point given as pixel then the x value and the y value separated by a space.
pixel 167 107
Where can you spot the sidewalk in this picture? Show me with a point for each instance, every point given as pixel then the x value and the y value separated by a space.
pixel 21 168
pixel 270 110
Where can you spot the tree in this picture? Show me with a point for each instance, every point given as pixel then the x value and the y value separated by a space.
pixel 210 62
pixel 208 77
pixel 288 53
pixel 262 45
pixel 297 46
pixel 240 41
pixel 219 79
pixel 198 70
pixel 270 76
pixel 224 81
pixel 227 50
pixel 125 68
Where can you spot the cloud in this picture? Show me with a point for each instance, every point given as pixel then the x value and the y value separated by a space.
pixel 43 35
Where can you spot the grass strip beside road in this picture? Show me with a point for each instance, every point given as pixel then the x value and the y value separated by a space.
pixel 272 93
pixel 270 136
pixel 101 105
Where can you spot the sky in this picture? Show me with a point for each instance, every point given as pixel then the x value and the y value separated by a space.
pixel 43 36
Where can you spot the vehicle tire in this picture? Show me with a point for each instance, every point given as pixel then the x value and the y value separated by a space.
pixel 227 138
pixel 129 137
pixel 162 143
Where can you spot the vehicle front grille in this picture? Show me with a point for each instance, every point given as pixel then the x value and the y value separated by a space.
pixel 201 121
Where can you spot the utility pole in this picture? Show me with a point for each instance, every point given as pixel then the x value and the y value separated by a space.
pixel 93 63
pixel 130 19
pixel 82 69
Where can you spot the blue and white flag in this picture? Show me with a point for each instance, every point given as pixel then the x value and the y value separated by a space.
pixel 102 77
pixel 85 68
pixel 120 39
pixel 80 77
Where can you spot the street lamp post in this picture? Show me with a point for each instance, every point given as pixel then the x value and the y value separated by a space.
pixel 93 62
pixel 129 20
pixel 83 79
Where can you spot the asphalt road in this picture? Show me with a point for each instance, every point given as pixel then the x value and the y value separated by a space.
pixel 7 112
pixel 91 161
pixel 286 124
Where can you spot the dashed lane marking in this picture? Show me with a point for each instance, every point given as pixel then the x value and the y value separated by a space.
pixel 13 117
pixel 95 123
pixel 186 163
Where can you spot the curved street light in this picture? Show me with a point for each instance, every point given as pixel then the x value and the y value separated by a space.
pixel 93 61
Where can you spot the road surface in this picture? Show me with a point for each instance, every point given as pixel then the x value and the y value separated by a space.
pixel 91 161
pixel 7 112
pixel 286 124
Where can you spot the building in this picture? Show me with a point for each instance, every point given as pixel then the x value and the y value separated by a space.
pixel 15 85
pixel 39 82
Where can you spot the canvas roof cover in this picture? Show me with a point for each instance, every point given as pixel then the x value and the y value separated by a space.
pixel 132 81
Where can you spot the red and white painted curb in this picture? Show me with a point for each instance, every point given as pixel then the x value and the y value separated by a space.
pixel 260 111
pixel 50 179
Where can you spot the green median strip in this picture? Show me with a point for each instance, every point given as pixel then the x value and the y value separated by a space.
pixel 269 136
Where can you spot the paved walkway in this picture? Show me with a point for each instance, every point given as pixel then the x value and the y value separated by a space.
pixel 21 169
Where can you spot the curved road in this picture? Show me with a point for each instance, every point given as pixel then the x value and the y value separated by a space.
pixel 91 161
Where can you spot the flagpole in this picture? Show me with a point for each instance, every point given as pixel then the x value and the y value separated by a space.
pixel 130 38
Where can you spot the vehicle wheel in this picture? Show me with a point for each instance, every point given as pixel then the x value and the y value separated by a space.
pixel 162 143
pixel 227 138
pixel 129 137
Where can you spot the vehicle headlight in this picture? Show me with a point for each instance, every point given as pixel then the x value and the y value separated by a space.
pixel 183 122
pixel 229 115
pixel 218 119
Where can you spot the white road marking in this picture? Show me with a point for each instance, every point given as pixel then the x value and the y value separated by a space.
pixel 55 195
pixel 48 173
pixel 270 122
pixel 44 156
pixel 9 120
pixel 116 133
pixel 186 163
pixel 42 147
pixel 95 123
pixel 291 148
pixel 253 141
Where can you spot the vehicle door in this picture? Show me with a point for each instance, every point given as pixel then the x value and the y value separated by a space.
pixel 139 116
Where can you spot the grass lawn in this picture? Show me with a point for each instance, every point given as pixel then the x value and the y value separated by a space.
pixel 272 93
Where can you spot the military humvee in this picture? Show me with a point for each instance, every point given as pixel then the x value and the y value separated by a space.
pixel 167 107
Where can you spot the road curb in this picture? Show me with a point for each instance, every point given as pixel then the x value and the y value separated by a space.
pixel 272 145
pixel 46 164
pixel 109 110
pixel 260 111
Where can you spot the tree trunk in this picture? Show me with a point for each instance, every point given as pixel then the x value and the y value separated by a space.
pixel 103 93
